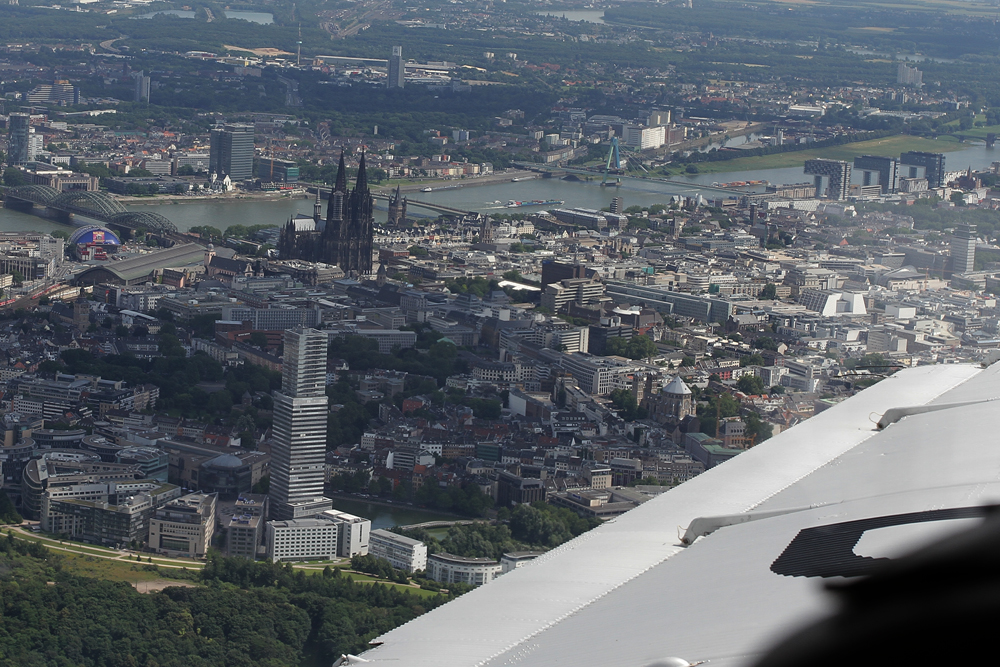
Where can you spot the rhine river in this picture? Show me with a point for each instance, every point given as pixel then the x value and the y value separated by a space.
pixel 491 198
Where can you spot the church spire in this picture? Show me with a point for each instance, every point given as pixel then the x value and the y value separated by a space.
pixel 362 184
pixel 335 204
pixel 341 183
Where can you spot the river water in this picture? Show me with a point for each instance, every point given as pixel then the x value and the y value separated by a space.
pixel 491 198
pixel 386 516
pixel 641 192
pixel 263 18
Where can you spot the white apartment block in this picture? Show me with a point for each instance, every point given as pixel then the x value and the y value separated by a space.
pixel 515 559
pixel 449 569
pixel 302 539
pixel 643 138
pixel 404 553
pixel 595 375
pixel 354 533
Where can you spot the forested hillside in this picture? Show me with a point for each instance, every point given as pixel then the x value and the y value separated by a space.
pixel 243 614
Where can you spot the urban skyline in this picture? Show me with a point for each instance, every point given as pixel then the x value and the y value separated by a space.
pixel 317 317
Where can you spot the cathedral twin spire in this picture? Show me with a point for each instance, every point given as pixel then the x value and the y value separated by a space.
pixel 346 240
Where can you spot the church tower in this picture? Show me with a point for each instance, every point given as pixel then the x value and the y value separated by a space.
pixel 486 230
pixel 347 238
pixel 397 208
pixel 318 210
pixel 335 203
pixel 330 241
pixel 360 224
pixel 677 397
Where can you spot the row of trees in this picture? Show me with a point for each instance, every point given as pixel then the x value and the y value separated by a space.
pixel 722 406
pixel 628 407
pixel 638 347
pixel 232 231
pixel 440 361
pixel 378 567
pixel 537 527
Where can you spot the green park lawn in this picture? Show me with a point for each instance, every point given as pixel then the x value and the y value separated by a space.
pixel 980 132
pixel 368 579
pixel 104 568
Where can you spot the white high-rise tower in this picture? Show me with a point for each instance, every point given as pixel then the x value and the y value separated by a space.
pixel 298 455
pixel 397 69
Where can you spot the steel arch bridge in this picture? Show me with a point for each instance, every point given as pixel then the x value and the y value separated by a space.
pixel 96 205
pixel 87 203
pixel 39 194
pixel 153 222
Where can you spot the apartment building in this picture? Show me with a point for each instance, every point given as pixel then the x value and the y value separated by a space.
pixel 353 535
pixel 402 552
pixel 302 539
pixel 247 526
pixel 449 569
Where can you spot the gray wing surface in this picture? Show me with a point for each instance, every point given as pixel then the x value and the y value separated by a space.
pixel 822 500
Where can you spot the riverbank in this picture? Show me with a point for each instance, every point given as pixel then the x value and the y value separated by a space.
pixel 892 146
pixel 718 137
pixel 159 200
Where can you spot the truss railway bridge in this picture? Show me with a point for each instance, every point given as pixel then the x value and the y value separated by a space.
pixel 94 205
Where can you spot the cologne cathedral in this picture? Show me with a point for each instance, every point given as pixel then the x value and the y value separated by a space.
pixel 345 237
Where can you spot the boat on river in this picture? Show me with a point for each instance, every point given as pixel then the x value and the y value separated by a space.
pixel 535 202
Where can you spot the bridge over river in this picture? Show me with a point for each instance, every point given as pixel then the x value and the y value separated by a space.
pixel 95 205
pixel 410 203
pixel 437 208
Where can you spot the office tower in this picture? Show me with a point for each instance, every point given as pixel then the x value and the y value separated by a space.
pixel 298 455
pixel 18 125
pixel 346 239
pixel 932 163
pixel 963 249
pixel 839 173
pixel 658 118
pixel 141 87
pixel 887 169
pixel 617 205
pixel 36 144
pixel 909 76
pixel 231 152
pixel 397 69
pixel 273 170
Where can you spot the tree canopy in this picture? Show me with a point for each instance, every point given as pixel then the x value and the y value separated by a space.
pixel 246 614
pixel 639 347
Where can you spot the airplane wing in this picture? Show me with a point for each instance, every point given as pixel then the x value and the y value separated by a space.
pixel 828 498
